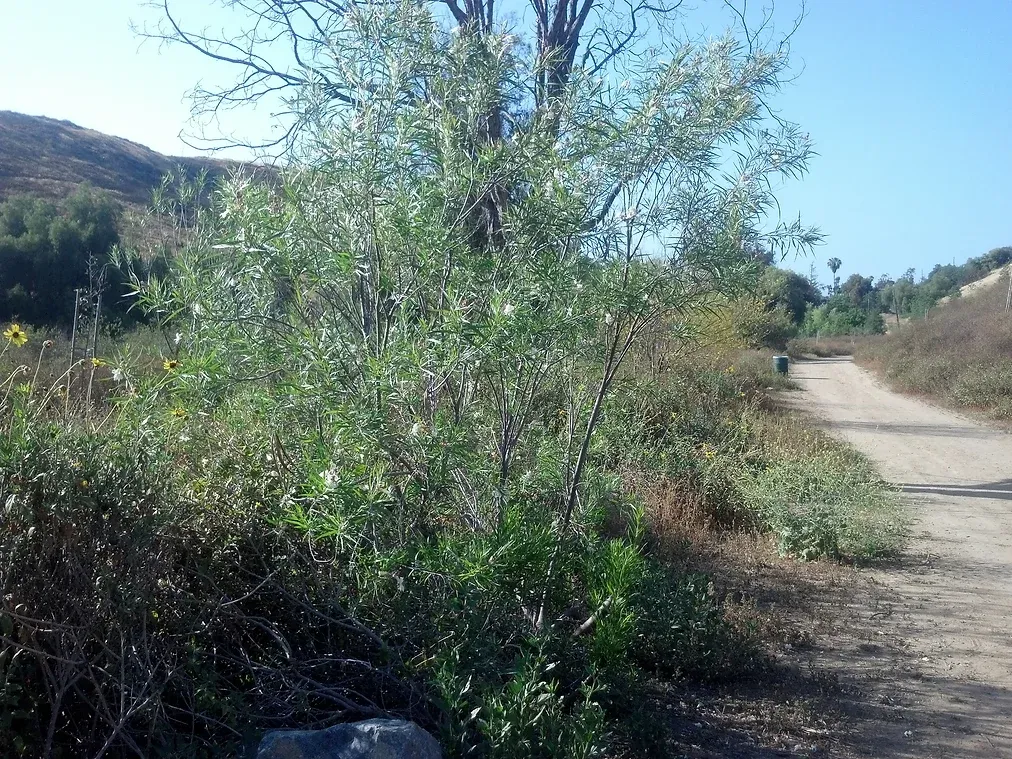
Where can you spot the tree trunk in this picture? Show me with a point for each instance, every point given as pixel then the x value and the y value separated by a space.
pixel 1008 298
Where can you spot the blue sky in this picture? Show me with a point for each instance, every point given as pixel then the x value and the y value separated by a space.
pixel 909 105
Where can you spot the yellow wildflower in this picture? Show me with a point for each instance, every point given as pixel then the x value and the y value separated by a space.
pixel 179 413
pixel 16 335
pixel 170 364
pixel 97 362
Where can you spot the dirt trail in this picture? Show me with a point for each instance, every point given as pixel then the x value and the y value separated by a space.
pixel 934 635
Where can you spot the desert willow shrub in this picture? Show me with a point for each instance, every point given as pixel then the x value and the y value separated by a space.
pixel 441 290
pixel 428 313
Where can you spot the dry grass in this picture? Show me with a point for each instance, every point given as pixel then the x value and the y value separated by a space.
pixel 961 353
pixel 45 363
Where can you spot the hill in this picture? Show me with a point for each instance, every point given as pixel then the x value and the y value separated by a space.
pixel 960 354
pixel 48 158
pixel 979 286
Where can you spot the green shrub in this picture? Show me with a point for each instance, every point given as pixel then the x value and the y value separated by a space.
pixel 825 504
pixel 684 630
pixel 527 716
pixel 712 430
pixel 841 316
pixel 163 622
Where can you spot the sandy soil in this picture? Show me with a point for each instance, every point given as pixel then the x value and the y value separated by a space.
pixel 927 640
pixel 979 285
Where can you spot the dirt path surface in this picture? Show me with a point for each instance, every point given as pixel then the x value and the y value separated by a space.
pixel 930 642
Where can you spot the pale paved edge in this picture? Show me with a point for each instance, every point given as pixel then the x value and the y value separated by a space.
pixel 954 585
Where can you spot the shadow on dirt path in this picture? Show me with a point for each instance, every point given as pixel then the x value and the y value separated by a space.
pixel 927 640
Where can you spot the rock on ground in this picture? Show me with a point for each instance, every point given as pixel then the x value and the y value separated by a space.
pixel 372 739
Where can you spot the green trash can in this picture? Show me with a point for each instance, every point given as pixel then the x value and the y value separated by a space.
pixel 780 364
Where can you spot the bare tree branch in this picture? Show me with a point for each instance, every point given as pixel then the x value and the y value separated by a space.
pixel 283 49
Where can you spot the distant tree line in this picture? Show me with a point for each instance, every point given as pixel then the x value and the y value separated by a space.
pixel 913 298
pixel 47 250
pixel 791 305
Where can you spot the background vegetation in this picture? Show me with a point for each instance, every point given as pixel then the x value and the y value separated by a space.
pixel 48 250
pixel 961 353
pixel 425 416
pixel 863 305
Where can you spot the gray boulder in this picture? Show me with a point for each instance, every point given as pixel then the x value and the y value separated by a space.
pixel 372 739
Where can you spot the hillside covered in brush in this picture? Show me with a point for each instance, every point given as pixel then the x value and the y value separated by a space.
pixel 960 352
pixel 70 197
pixel 50 159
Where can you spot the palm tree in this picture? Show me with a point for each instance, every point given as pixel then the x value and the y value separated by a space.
pixel 834 265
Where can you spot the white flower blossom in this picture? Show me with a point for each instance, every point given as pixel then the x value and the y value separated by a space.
pixel 416 429
pixel 609 319
pixel 508 309
pixel 118 375
pixel 178 338
pixel 331 477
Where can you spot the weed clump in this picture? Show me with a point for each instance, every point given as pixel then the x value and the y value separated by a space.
pixel 729 457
